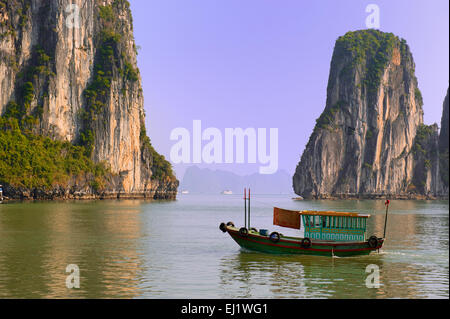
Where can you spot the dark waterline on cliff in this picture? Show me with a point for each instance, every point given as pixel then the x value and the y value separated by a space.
pixel 137 249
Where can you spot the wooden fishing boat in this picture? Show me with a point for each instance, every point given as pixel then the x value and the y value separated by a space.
pixel 323 233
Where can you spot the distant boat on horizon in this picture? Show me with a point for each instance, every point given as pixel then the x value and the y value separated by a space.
pixel 227 192
pixel 184 192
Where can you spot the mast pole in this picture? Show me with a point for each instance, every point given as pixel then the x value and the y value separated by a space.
pixel 245 207
pixel 249 208
pixel 386 203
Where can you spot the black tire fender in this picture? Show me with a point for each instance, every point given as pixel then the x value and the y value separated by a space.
pixel 372 241
pixel 223 227
pixel 243 232
pixel 274 237
pixel 230 224
pixel 306 242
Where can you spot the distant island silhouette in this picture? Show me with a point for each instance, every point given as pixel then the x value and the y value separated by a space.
pixel 207 181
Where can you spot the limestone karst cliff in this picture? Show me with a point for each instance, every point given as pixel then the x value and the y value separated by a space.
pixel 364 143
pixel 68 71
pixel 443 149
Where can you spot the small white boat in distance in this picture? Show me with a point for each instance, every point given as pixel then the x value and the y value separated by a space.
pixel 185 192
pixel 227 192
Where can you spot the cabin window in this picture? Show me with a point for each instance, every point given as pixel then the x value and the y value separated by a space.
pixel 360 223
pixel 327 223
pixel 318 221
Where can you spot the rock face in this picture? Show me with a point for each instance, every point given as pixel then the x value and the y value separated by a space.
pixel 443 149
pixel 364 142
pixel 72 65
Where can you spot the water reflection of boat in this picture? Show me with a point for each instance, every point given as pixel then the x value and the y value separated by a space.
pixel 325 233
pixel 299 276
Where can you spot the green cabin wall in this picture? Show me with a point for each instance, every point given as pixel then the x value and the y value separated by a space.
pixel 336 228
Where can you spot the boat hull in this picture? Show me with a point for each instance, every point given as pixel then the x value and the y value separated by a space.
pixel 290 245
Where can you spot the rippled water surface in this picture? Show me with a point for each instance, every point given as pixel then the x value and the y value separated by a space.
pixel 137 249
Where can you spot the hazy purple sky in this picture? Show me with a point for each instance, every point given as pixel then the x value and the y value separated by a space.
pixel 265 63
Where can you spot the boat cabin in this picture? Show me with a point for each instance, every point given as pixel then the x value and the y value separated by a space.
pixel 324 225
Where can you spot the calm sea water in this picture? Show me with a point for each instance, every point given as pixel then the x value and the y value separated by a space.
pixel 137 249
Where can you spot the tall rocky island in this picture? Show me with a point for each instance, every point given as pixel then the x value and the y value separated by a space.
pixel 370 140
pixel 71 104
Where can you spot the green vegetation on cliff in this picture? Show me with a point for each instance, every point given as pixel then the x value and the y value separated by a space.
pixel 371 50
pixel 21 108
pixel 34 161
pixel 161 168
pixel 326 118
pixel 425 153
pixel 420 144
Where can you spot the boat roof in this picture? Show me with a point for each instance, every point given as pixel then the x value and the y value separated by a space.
pixel 332 213
pixel 320 213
